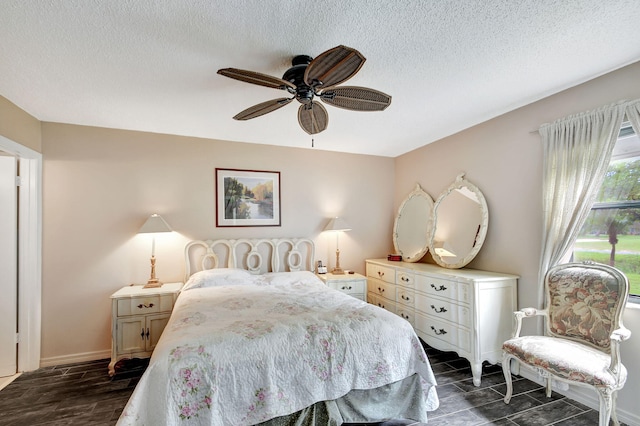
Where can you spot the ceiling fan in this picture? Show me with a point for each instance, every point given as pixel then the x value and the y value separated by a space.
pixel 310 78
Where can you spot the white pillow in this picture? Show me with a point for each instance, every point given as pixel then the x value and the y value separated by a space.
pixel 218 277
pixel 304 277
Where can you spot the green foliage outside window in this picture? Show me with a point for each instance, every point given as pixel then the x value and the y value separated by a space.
pixel 611 233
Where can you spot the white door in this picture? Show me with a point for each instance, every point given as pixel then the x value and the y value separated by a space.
pixel 8 265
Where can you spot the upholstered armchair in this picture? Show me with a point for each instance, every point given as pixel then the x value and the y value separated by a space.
pixel 583 323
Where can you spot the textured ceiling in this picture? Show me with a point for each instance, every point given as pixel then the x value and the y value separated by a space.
pixel 151 65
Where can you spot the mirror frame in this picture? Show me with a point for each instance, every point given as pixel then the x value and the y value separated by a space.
pixel 482 232
pixel 429 217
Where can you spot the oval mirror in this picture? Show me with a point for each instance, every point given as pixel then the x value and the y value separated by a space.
pixel 461 218
pixel 413 224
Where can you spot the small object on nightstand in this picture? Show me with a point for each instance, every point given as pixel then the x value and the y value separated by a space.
pixel 321 269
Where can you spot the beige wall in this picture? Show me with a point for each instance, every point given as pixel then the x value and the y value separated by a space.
pixel 503 157
pixel 19 126
pixel 100 185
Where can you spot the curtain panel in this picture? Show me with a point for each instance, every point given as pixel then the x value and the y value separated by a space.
pixel 577 150
pixel 633 115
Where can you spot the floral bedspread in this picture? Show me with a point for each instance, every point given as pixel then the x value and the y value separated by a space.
pixel 271 346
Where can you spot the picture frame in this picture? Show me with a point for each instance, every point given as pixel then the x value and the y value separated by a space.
pixel 247 198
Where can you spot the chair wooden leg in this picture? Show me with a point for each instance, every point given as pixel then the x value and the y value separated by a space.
pixel 606 405
pixel 614 416
pixel 506 370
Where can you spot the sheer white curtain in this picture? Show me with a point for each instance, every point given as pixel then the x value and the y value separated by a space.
pixel 633 115
pixel 576 150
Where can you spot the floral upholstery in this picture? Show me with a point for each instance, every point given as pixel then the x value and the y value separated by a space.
pixel 565 359
pixel 582 303
pixel 581 346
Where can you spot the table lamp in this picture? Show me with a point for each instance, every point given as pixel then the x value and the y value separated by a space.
pixel 154 224
pixel 337 225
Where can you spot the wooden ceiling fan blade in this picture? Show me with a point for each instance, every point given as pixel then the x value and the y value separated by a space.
pixel 313 118
pixel 257 78
pixel 333 67
pixel 356 98
pixel 262 108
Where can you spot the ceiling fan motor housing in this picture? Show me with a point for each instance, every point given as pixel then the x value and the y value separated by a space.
pixel 295 75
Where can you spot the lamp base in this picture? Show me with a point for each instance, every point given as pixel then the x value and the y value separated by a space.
pixel 338 271
pixel 153 283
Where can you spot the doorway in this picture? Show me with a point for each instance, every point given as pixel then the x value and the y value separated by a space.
pixel 29 253
pixel 8 264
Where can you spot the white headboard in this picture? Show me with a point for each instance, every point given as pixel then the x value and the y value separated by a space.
pixel 255 255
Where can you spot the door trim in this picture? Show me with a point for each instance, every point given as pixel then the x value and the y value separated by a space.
pixel 29 253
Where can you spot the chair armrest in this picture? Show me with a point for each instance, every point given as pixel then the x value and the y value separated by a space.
pixel 619 335
pixel 523 313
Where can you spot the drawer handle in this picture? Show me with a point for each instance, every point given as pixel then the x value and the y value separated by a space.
pixel 142 334
pixel 405 316
pixel 344 287
pixel 438 332
pixel 405 279
pixel 439 310
pixel 140 306
pixel 381 290
pixel 441 288
pixel 407 298
pixel 381 305
pixel 147 334
pixel 380 274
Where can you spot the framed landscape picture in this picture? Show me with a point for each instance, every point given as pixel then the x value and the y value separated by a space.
pixel 247 198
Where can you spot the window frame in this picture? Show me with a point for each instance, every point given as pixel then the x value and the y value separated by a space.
pixel 626 130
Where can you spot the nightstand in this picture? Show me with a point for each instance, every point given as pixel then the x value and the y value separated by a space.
pixel 138 317
pixel 352 284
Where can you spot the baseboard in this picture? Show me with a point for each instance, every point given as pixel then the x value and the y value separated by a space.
pixel 583 396
pixel 74 358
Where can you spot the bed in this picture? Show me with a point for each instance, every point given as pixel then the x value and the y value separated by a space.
pixel 256 338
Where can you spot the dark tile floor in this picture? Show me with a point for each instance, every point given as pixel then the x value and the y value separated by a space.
pixel 461 403
pixel 84 394
pixel 76 394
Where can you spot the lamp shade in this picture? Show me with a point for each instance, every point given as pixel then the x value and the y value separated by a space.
pixel 155 223
pixel 337 224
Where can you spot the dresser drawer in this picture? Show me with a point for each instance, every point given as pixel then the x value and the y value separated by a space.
pixel 406 279
pixel 443 288
pixel 451 334
pixel 381 302
pixel 381 272
pixel 443 309
pixel 145 305
pixel 405 296
pixel 405 312
pixel 381 288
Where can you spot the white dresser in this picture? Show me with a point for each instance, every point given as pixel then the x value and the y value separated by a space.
pixel 462 310
pixel 138 318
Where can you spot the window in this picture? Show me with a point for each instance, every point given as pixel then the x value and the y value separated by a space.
pixel 611 233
